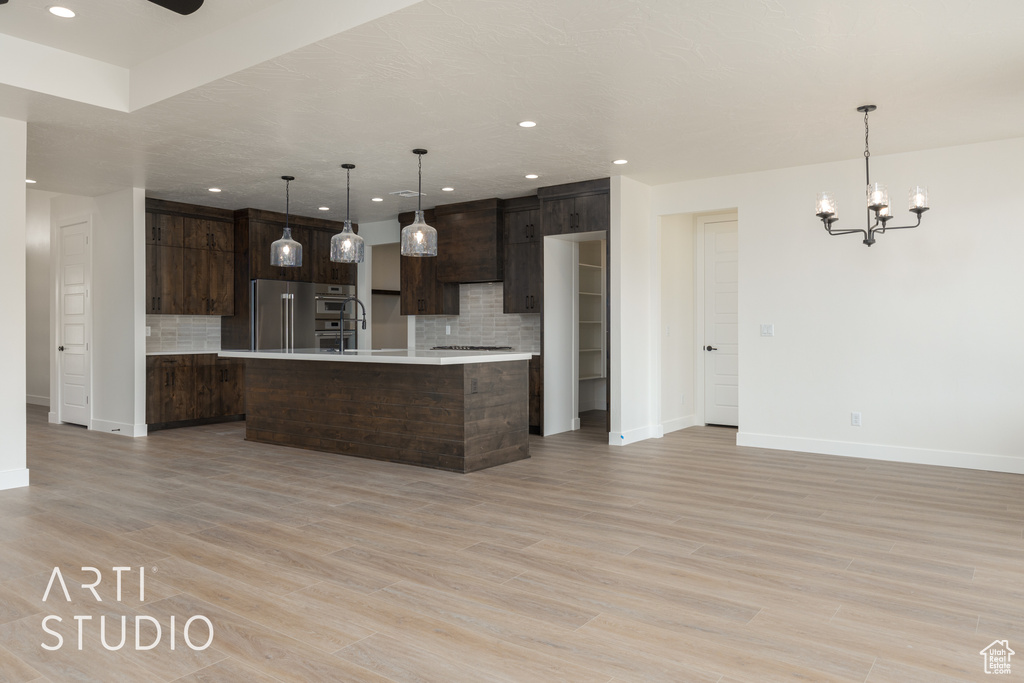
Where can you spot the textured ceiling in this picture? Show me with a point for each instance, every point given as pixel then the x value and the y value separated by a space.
pixel 681 88
pixel 119 32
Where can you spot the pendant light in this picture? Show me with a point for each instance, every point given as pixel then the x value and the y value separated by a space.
pixel 346 246
pixel 286 251
pixel 418 238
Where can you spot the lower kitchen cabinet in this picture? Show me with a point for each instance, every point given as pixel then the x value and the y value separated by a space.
pixel 190 389
pixel 536 394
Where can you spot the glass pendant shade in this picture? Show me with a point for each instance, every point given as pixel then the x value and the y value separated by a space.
pixel 885 212
pixel 346 246
pixel 418 238
pixel 919 199
pixel 825 206
pixel 878 196
pixel 286 251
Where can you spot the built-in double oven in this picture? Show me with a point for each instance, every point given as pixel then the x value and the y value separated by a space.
pixel 335 321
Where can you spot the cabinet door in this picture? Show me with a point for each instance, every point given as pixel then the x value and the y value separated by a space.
pixel 170 389
pixel 164 230
pixel 222 235
pixel 207 387
pixel 197 281
pixel 221 292
pixel 523 286
pixel 417 276
pixel 536 393
pixel 231 385
pixel 164 283
pixel 522 226
pixel 557 216
pixel 593 212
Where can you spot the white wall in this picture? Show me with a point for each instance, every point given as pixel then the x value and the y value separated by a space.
pixel 921 332
pixel 634 289
pixel 118 306
pixel 37 296
pixel 676 332
pixel 390 330
pixel 13 461
pixel 560 408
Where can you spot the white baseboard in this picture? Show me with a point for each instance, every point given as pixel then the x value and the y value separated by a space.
pixel 51 417
pixel 678 423
pixel 13 479
pixel 38 400
pixel 633 435
pixel 575 424
pixel 922 456
pixel 120 428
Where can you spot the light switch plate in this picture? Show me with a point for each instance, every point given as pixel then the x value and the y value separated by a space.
pixel 149 331
pixel 767 330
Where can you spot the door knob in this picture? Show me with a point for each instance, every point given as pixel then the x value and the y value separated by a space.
pixel 60 348
pixel 710 348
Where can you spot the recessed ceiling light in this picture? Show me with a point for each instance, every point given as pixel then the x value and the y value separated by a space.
pixel 447 189
pixel 377 199
pixel 62 12
pixel 214 189
pixel 325 208
pixel 527 124
pixel 620 162
pixel 531 176
pixel 30 181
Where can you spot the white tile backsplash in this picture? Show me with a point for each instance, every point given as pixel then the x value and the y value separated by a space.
pixel 480 322
pixel 183 333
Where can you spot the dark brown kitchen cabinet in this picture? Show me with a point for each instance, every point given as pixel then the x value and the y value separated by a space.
pixel 524 257
pixel 470 241
pixel 164 229
pixel 165 292
pixel 524 278
pixel 170 388
pixel 189 389
pixel 189 259
pixel 575 207
pixel 220 387
pixel 209 282
pixel 215 235
pixel 421 292
pixel 325 270
pixel 536 394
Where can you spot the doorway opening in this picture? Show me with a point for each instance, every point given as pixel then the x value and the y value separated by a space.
pixel 74 323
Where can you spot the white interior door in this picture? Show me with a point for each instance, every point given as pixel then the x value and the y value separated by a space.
pixel 74 316
pixel 720 348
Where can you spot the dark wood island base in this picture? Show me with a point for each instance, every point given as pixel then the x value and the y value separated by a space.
pixel 461 418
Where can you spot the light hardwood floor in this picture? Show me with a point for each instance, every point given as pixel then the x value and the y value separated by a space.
pixel 678 559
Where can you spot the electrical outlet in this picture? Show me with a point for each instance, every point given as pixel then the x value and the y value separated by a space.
pixel 855 419
pixel 149 331
pixel 767 330
pixel 447 329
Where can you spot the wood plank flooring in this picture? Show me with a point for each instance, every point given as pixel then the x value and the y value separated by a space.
pixel 678 559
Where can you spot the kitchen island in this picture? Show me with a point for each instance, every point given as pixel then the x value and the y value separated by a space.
pixel 452 410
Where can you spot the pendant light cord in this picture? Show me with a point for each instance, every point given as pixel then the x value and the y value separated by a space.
pixel 419 191
pixel 348 191
pixel 287 202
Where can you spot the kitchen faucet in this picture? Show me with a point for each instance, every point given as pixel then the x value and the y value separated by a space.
pixel 341 319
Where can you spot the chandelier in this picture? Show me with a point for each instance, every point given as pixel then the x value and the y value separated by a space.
pixel 827 209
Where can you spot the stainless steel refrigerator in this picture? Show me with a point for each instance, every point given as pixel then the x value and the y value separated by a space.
pixel 283 315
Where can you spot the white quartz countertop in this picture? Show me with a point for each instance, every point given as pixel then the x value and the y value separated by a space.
pixel 182 353
pixel 393 356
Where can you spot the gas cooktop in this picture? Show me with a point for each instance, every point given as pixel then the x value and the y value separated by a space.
pixel 471 348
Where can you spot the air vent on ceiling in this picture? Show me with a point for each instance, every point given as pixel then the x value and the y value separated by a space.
pixel 407 193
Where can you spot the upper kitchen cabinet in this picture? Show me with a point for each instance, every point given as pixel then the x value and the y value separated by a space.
pixel 575 207
pixel 263 228
pixel 325 270
pixel 189 264
pixel 470 243
pixel 524 257
pixel 421 292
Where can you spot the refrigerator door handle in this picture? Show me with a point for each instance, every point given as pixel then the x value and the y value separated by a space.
pixel 291 322
pixel 284 322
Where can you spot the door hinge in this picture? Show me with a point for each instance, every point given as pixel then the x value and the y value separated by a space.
pixel 86 400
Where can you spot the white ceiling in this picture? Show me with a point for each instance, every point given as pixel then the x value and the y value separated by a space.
pixel 683 89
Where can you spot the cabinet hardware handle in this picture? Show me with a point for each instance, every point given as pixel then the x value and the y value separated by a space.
pixel 152 303
pixel 159 304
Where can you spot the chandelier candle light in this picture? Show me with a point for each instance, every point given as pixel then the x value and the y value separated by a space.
pixel 286 251
pixel 827 209
pixel 418 238
pixel 346 246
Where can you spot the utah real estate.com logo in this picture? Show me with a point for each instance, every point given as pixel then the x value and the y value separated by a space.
pixel 997 657
pixel 152 632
